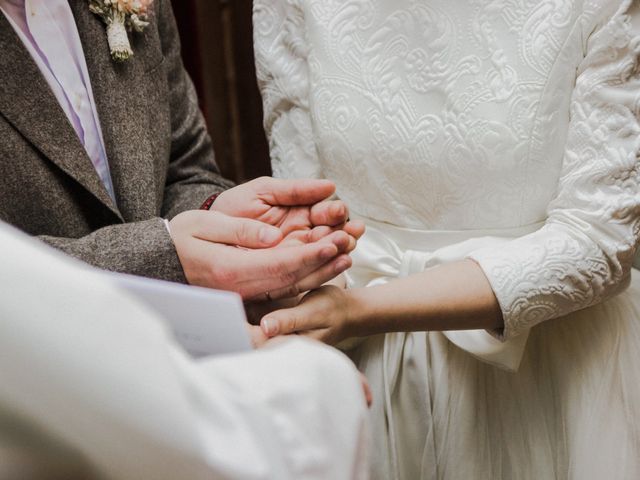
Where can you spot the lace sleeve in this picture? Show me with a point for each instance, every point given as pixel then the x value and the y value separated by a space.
pixel 585 251
pixel 283 76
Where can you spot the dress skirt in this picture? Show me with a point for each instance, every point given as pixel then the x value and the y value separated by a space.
pixel 571 410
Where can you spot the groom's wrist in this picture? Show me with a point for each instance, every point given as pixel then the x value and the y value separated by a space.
pixel 208 203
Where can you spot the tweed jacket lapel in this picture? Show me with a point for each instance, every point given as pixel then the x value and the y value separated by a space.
pixel 120 91
pixel 27 102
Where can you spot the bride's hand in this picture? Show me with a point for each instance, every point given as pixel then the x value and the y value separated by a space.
pixel 257 310
pixel 324 314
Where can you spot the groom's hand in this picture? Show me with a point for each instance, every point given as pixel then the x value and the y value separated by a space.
pixel 291 205
pixel 266 267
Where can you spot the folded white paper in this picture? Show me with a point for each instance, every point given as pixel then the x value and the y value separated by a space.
pixel 205 322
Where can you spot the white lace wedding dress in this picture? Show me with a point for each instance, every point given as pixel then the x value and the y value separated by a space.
pixel 505 131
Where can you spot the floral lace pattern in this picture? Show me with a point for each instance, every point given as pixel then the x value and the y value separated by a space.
pixel 444 116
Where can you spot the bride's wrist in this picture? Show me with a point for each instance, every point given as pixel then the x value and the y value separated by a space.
pixel 358 323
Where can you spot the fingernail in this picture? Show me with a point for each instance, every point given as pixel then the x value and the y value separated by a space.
pixel 338 210
pixel 269 235
pixel 269 327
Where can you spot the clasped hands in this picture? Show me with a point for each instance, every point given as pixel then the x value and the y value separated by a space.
pixel 267 239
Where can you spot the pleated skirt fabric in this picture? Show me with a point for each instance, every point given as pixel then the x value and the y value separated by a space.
pixel 571 411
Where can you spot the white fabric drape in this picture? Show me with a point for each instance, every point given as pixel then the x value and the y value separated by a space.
pixel 90 372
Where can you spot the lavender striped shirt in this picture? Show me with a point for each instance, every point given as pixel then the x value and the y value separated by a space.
pixel 48 30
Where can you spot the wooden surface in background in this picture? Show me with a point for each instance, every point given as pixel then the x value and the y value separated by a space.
pixel 217 48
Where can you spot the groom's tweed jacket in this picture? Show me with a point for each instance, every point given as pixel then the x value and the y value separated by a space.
pixel 159 152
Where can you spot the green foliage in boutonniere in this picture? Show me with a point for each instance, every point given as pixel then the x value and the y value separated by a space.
pixel 121 16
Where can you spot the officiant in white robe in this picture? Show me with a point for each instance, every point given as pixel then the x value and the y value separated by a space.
pixel 92 386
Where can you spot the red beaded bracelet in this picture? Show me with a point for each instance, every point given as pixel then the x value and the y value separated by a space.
pixel 209 202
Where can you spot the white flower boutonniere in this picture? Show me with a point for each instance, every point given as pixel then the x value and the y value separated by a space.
pixel 121 16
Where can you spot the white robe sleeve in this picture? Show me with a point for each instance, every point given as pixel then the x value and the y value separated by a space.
pixel 86 370
pixel 584 253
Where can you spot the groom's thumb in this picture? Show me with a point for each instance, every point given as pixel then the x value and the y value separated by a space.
pixel 243 232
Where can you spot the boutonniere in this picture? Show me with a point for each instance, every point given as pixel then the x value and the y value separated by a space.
pixel 121 17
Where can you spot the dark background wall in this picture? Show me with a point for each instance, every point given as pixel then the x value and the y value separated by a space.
pixel 217 47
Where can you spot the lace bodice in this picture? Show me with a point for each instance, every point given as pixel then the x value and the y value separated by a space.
pixel 452 115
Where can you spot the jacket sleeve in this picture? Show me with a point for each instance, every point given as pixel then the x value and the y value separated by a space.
pixel 585 251
pixel 145 247
pixel 140 248
pixel 193 175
